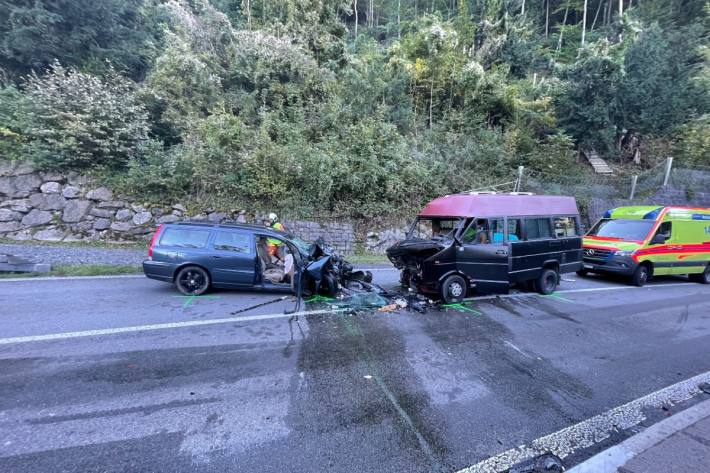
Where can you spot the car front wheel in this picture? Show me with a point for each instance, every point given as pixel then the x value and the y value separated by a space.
pixel 641 276
pixel 192 281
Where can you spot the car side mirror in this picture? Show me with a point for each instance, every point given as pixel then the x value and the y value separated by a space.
pixel 658 239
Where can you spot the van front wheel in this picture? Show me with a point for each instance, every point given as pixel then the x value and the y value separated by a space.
pixel 641 276
pixel 547 282
pixel 453 289
pixel 702 278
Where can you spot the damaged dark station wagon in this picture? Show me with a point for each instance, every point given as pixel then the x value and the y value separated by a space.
pixel 488 242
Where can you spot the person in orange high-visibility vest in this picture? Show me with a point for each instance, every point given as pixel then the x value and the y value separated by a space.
pixel 272 243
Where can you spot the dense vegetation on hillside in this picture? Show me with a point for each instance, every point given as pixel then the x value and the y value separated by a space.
pixel 363 106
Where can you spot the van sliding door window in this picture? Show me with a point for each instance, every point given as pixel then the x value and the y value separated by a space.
pixel 514 230
pixel 564 227
pixel 537 228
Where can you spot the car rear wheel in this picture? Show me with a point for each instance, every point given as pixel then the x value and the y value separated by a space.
pixel 547 282
pixel 453 289
pixel 702 278
pixel 192 281
pixel 640 276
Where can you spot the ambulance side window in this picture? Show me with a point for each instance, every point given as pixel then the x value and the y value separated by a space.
pixel 665 229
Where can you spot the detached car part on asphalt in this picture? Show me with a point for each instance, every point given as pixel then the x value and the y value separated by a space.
pixel 196 256
pixel 489 241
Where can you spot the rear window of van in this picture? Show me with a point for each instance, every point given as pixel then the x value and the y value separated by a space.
pixel 184 237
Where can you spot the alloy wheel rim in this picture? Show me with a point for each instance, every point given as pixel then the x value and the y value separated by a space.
pixel 456 290
pixel 192 281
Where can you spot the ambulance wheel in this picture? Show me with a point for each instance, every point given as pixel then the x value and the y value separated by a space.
pixel 641 276
pixel 453 289
pixel 702 278
pixel 547 282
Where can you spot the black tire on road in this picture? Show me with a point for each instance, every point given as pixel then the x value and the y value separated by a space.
pixel 583 273
pixel 547 282
pixel 454 289
pixel 640 276
pixel 328 286
pixel 702 278
pixel 192 281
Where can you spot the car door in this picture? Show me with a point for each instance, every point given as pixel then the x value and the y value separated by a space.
pixel 483 254
pixel 233 259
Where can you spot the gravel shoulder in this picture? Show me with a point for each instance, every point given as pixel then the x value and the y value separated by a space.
pixel 70 255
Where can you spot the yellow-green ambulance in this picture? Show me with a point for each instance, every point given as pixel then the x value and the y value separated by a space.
pixel 644 241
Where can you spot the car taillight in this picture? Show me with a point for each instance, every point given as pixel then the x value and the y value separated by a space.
pixel 153 240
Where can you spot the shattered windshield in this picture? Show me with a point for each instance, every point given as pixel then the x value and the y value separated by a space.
pixel 622 229
pixel 302 245
pixel 428 228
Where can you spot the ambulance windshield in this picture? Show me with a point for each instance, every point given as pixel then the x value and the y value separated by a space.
pixel 635 230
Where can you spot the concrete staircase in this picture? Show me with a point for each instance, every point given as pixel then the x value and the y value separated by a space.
pixel 600 166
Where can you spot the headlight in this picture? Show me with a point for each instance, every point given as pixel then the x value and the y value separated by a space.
pixel 624 253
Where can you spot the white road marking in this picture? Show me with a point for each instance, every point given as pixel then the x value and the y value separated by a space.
pixel 510 344
pixel 73 278
pixel 593 430
pixel 612 458
pixel 143 328
pixel 575 291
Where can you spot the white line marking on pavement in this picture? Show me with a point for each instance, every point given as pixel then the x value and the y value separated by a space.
pixel 510 344
pixel 574 291
pixel 143 328
pixel 612 458
pixel 73 278
pixel 593 430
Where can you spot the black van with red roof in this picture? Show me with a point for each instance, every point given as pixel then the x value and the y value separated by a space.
pixel 488 242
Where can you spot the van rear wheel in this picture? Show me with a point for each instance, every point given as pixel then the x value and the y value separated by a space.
pixel 547 282
pixel 702 278
pixel 453 289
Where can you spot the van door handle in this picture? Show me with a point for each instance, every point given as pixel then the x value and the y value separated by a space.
pixel 502 252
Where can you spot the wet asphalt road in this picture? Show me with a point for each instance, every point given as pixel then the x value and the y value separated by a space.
pixel 331 392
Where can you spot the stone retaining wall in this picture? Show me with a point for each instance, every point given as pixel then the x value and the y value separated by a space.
pixel 48 206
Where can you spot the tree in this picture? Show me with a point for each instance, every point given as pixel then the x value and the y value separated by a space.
pixel 588 102
pixel 77 120
pixel 79 33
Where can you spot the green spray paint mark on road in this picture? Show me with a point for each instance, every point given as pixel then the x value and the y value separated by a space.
pixel 318 298
pixel 554 295
pixel 462 307
pixel 190 299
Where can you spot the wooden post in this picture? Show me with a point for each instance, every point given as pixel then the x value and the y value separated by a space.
pixel 634 180
pixel 519 183
pixel 669 164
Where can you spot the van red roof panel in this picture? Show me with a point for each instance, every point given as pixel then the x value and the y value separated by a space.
pixel 498 205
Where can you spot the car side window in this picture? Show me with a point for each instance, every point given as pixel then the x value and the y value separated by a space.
pixel 232 241
pixel 184 238
pixel 564 227
pixel 537 228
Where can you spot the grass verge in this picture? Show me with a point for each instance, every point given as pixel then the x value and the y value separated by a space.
pixel 368 259
pixel 64 270
pixel 78 244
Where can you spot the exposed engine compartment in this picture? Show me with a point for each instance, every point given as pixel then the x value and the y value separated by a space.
pixel 409 255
